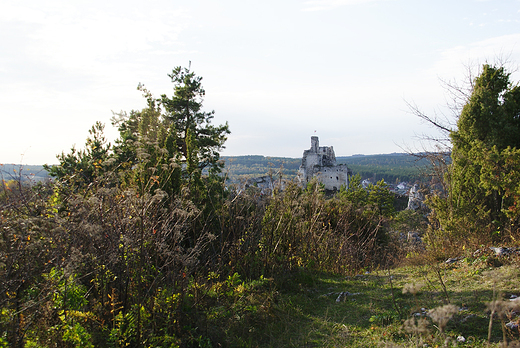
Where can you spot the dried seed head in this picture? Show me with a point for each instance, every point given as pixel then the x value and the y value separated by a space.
pixel 419 326
pixel 412 288
pixel 441 315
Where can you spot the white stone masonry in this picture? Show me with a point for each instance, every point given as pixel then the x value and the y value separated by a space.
pixel 320 162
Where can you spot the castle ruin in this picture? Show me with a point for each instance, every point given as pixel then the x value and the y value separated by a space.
pixel 320 163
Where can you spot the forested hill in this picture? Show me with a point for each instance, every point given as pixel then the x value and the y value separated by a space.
pixel 256 165
pixel 10 171
pixel 391 167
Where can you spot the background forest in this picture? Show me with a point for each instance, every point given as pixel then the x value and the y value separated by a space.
pixel 143 244
pixel 392 168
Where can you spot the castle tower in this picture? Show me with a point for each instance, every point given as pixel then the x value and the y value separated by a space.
pixel 315 144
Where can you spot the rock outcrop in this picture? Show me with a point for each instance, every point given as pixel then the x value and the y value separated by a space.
pixel 416 198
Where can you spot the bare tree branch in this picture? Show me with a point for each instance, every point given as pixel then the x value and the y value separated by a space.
pixel 435 121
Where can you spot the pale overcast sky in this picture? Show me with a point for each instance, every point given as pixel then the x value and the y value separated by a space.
pixel 277 71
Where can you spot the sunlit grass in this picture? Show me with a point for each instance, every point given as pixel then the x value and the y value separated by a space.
pixel 305 309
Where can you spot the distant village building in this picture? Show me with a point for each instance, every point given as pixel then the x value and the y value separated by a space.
pixel 320 163
pixel 365 183
pixel 401 186
pixel 266 183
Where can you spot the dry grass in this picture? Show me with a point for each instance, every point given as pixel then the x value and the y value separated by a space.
pixel 304 309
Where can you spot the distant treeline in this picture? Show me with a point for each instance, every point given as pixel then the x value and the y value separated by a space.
pixel 237 167
pixel 11 171
pixel 392 168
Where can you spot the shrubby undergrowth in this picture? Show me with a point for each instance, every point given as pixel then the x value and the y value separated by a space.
pixel 110 265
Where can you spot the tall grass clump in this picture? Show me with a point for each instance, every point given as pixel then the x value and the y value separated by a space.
pixel 302 228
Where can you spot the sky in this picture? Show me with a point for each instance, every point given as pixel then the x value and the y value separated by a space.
pixel 277 71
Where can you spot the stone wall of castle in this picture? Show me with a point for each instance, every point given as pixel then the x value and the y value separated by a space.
pixel 333 177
